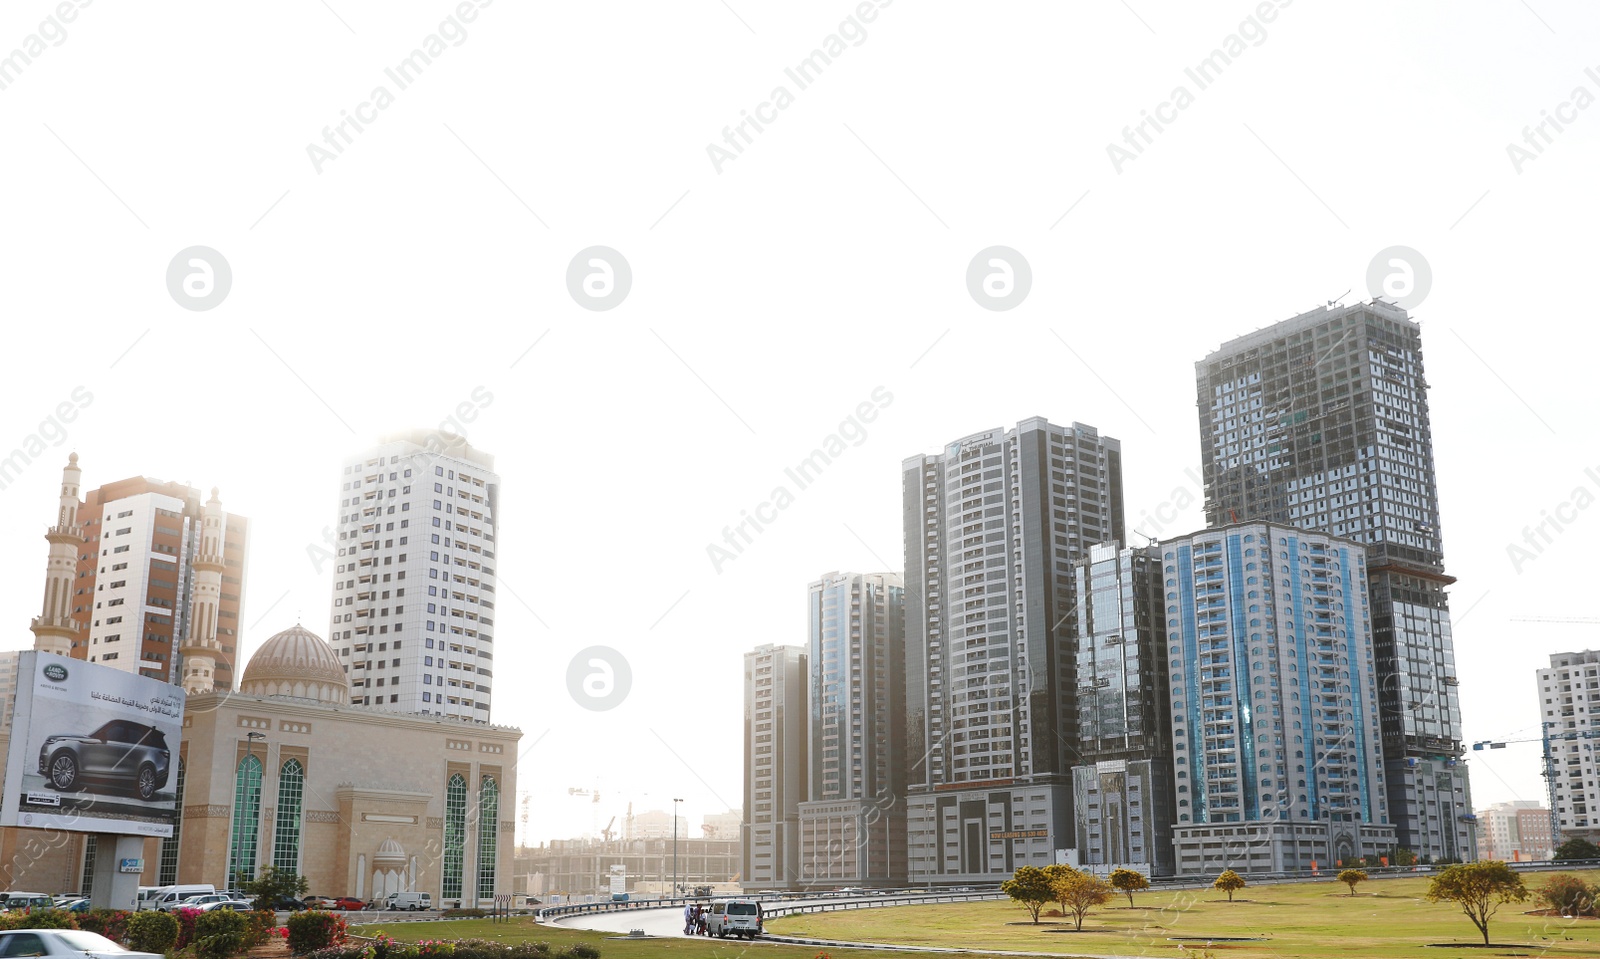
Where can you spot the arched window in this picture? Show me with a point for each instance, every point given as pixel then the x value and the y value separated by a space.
pixel 246 820
pixel 488 834
pixel 286 837
pixel 455 835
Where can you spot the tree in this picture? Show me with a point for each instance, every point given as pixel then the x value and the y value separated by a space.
pixel 1402 857
pixel 1078 892
pixel 1478 888
pixel 272 884
pixel 1053 875
pixel 1568 895
pixel 1228 882
pixel 1576 848
pixel 1352 876
pixel 1129 881
pixel 1030 887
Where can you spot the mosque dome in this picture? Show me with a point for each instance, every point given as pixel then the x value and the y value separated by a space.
pixel 296 663
pixel 389 853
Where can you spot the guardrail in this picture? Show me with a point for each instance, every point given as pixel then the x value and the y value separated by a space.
pixel 861 901
pixel 869 902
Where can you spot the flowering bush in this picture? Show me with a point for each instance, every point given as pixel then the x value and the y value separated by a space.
pixel 111 923
pixel 186 919
pixel 314 930
pixel 260 925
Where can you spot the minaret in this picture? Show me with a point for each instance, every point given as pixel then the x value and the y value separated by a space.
pixel 53 628
pixel 200 647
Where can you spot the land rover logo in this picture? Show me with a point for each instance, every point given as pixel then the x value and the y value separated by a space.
pixel 56 673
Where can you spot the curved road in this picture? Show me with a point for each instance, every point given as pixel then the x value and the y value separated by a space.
pixel 666 921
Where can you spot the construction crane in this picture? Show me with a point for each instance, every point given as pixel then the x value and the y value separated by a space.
pixel 1549 772
pixel 594 807
pixel 608 832
pixel 526 797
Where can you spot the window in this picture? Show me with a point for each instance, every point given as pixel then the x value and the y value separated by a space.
pixel 455 833
pixel 167 873
pixel 246 820
pixel 286 837
pixel 488 834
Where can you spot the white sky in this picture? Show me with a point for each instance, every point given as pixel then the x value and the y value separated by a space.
pixel 770 300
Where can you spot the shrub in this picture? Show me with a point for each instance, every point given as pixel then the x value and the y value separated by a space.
pixel 44 919
pixel 579 950
pixel 314 930
pixel 186 919
pixel 1568 894
pixel 463 913
pixel 220 934
pixel 260 926
pixel 151 931
pixel 111 923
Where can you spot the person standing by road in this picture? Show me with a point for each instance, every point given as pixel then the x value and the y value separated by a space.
pixel 688 919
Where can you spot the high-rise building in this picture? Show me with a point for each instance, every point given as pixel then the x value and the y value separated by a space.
pixel 414 582
pixel 1321 422
pixel 1569 694
pixel 8 684
pixel 1274 684
pixel 775 679
pixel 993 526
pixel 137 570
pixel 853 828
pixel 1122 779
pixel 1516 831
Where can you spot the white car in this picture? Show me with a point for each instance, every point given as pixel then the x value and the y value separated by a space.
pixel 65 942
pixel 242 905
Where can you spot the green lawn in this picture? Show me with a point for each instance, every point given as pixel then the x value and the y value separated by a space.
pixel 558 936
pixel 1386 918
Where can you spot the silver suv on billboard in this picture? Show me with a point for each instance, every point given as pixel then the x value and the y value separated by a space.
pixel 122 753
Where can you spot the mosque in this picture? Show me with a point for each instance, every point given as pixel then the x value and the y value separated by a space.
pixel 286 772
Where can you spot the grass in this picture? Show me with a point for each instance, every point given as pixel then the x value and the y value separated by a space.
pixel 612 948
pixel 1385 919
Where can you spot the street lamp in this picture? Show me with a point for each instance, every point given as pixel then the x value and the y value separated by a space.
pixel 675 845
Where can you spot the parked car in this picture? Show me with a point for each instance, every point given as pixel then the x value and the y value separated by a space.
pixel 320 902
pixel 346 902
pixel 65 942
pixel 13 901
pixel 409 900
pixel 242 905
pixel 288 903
pixel 168 898
pixel 204 899
pixel 120 753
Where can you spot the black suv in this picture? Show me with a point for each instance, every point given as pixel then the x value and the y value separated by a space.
pixel 120 753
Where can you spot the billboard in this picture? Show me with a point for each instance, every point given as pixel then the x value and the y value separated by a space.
pixel 93 749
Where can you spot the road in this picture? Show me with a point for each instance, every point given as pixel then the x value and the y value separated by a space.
pixel 654 922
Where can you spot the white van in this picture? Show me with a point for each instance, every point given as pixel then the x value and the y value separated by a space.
pixel 146 899
pixel 168 898
pixel 409 900
pixel 738 917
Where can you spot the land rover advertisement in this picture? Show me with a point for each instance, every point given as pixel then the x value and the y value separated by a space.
pixel 93 749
